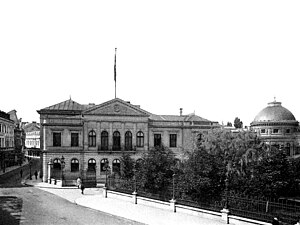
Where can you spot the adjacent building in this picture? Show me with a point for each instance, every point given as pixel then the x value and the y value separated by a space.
pixel 278 127
pixel 7 141
pixel 32 141
pixel 79 140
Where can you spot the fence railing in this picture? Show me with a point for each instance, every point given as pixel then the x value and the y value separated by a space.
pixel 252 208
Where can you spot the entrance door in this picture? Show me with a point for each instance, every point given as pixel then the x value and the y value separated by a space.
pixel 90 180
pixel 56 172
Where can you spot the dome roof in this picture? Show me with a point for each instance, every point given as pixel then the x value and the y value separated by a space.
pixel 274 112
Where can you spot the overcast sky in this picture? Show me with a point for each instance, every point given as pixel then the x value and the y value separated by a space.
pixel 219 59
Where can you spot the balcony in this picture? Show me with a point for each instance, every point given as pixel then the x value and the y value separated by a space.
pixel 116 149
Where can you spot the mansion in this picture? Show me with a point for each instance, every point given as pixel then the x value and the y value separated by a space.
pixel 80 140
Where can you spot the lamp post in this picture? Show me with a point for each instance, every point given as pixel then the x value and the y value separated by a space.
pixel 226 192
pixel 62 168
pixel 173 185
pixel 134 176
pixel 106 170
pixel 30 163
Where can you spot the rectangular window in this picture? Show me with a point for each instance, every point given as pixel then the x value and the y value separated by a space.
pixel 263 131
pixel 74 139
pixel 173 140
pixel 275 131
pixel 56 139
pixel 288 131
pixel 157 140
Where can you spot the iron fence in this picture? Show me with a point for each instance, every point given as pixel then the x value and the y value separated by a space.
pixel 247 207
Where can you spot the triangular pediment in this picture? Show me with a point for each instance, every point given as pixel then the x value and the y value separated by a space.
pixel 116 107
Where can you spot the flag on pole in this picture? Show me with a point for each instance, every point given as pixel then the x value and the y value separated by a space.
pixel 115 67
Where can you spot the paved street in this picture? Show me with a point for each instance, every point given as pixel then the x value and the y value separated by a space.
pixel 30 205
pixel 21 204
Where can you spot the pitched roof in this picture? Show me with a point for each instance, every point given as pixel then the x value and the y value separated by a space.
pixel 31 127
pixel 175 118
pixel 67 105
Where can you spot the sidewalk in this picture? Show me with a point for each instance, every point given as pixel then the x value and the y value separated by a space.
pixel 93 198
pixel 11 168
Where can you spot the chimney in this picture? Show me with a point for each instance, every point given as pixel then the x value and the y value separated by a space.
pixel 180 111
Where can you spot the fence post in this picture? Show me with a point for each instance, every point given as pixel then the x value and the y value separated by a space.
pixel 173 205
pixel 134 197
pixel 225 215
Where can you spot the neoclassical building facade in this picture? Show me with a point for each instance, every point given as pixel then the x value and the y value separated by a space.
pixel 278 127
pixel 79 140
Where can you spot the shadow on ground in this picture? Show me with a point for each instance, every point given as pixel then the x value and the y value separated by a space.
pixel 10 210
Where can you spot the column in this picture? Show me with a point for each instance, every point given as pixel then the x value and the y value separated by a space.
pixel 45 173
pixel 110 136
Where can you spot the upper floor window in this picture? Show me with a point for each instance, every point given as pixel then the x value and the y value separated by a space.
pixel 288 131
pixel 74 165
pixel 128 140
pixel 56 139
pixel 92 139
pixel 157 140
pixel 74 139
pixel 140 139
pixel 263 131
pixel 104 140
pixel 116 141
pixel 275 131
pixel 173 140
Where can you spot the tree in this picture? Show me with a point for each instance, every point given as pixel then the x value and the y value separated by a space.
pixel 236 151
pixel 200 176
pixel 229 124
pixel 127 166
pixel 238 123
pixel 272 175
pixel 155 173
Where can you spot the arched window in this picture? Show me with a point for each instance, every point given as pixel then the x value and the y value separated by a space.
pixel 128 140
pixel 92 165
pixel 74 165
pixel 116 141
pixel 140 139
pixel 103 164
pixel 116 166
pixel 104 140
pixel 56 164
pixel 92 138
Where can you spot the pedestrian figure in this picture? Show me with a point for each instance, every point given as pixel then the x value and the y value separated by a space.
pixel 36 174
pixel 21 173
pixel 78 182
pixel 82 188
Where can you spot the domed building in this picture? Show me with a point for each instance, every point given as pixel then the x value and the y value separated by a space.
pixel 278 127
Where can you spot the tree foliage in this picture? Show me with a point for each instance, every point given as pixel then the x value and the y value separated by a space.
pixel 127 166
pixel 238 123
pixel 156 169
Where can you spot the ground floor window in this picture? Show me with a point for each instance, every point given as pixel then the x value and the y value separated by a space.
pixel 74 165
pixel 103 164
pixel 92 165
pixel 116 166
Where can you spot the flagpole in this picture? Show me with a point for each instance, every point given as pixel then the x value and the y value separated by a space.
pixel 115 73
